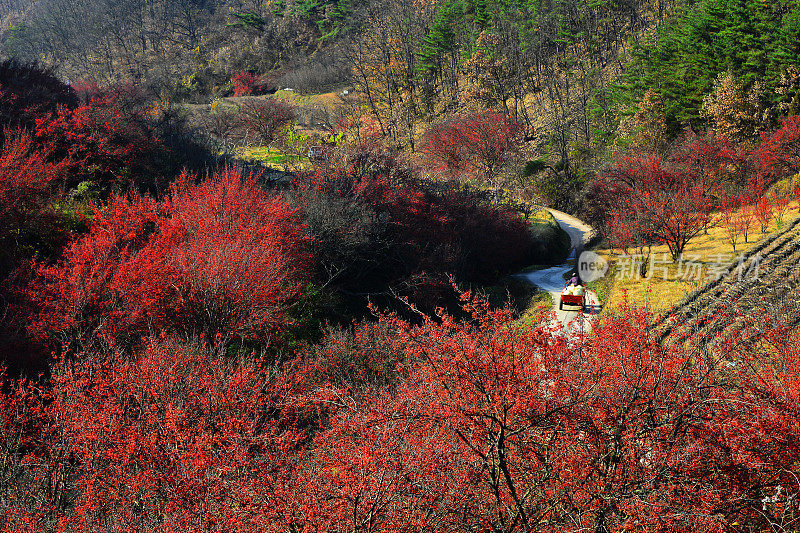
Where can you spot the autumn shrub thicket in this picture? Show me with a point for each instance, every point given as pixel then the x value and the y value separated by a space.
pixel 259 122
pixel 379 229
pixel 779 152
pixel 27 185
pixel 177 438
pixel 668 198
pixel 611 433
pixel 29 91
pixel 173 398
pixel 61 148
pixel 244 83
pixel 221 258
pixel 111 137
pixel 483 425
pixel 101 134
pixel 477 145
pixel 102 143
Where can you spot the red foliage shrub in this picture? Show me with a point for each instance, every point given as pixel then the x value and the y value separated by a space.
pixel 245 83
pixel 241 256
pixel 747 217
pixel 101 132
pixel 99 142
pixel 667 199
pixel 173 439
pixel 25 430
pixel 780 204
pixel 708 158
pixel 128 97
pixel 407 233
pixel 361 358
pixel 779 152
pixel 29 226
pixel 28 91
pixel 190 441
pixel 477 145
pixel 763 211
pixel 384 464
pixel 537 433
pixel 486 425
pixel 28 183
pixel 653 201
pixel 222 258
pixel 737 217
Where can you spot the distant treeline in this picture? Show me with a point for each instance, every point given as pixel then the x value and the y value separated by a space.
pixel 584 77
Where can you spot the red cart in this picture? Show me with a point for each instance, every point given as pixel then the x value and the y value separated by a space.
pixel 571 299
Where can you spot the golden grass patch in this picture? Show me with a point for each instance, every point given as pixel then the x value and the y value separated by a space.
pixel 667 281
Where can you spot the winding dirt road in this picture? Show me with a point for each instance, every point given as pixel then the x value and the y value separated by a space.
pixel 552 279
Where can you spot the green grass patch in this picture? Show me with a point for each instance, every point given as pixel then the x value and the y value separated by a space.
pixel 541 215
pixel 604 286
pixel 539 305
pixel 268 155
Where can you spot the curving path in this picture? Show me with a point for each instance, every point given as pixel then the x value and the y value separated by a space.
pixel 552 279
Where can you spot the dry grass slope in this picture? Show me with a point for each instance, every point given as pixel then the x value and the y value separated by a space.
pixel 759 291
pixel 706 257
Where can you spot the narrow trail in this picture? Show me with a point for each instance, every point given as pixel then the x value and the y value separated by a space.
pixel 552 279
pixel 758 290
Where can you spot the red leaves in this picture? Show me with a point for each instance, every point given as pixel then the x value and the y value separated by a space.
pixel 246 83
pixel 98 142
pixel 99 134
pixel 779 153
pixel 218 258
pixel 536 433
pixel 486 425
pixel 473 146
pixel 650 201
pixel 780 203
pixel 28 91
pixel 176 439
pixel 763 212
pixel 668 199
pixel 27 183
pixel 240 255
pixel 738 217
pixel 413 232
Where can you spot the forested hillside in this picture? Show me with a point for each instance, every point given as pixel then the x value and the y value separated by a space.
pixel 716 59
pixel 581 77
pixel 560 55
pixel 259 266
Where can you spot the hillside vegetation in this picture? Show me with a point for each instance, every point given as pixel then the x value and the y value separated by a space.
pixel 257 258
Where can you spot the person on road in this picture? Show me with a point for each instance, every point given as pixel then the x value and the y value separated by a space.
pixel 574 286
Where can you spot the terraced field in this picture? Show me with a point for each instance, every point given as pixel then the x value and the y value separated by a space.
pixel 757 292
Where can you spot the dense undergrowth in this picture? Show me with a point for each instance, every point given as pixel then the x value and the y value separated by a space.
pixel 106 241
pixel 188 345
pixel 479 424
